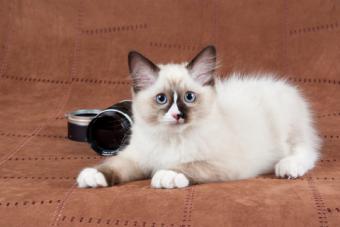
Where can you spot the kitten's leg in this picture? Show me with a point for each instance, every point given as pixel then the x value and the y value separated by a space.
pixel 113 171
pixel 295 165
pixel 185 174
pixel 304 145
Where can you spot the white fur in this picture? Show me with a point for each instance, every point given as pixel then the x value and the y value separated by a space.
pixel 253 123
pixel 91 177
pixel 169 179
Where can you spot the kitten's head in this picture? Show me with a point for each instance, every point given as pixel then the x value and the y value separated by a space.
pixel 173 96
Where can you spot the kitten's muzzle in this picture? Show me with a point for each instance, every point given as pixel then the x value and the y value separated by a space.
pixel 178 116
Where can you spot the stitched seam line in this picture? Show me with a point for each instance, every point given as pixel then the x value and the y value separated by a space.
pixel 64 82
pixel 111 221
pixel 114 29
pixel 285 38
pixel 4 63
pixel 186 217
pixel 56 158
pixel 73 73
pixel 96 81
pixel 328 115
pixel 32 134
pixel 319 204
pixel 20 146
pixel 173 46
pixel 315 28
pixel 61 206
pixel 34 79
pixel 36 178
pixel 315 80
pixel 300 178
pixel 16 204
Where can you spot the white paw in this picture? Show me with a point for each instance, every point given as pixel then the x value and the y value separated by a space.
pixel 169 179
pixel 290 167
pixel 91 178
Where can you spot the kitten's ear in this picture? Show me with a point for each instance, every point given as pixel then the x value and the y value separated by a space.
pixel 203 66
pixel 143 72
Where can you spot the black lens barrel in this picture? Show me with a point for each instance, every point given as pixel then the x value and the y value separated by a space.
pixel 109 132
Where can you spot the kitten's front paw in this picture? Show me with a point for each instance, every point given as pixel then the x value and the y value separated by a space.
pixel 91 178
pixel 290 168
pixel 169 179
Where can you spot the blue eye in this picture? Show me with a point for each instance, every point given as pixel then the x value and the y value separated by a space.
pixel 161 99
pixel 189 97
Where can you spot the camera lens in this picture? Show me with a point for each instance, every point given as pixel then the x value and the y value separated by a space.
pixel 109 131
pixel 78 122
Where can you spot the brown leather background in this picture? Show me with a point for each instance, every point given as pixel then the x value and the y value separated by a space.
pixel 58 56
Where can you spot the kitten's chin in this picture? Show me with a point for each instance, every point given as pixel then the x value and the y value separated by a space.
pixel 176 128
pixel 178 123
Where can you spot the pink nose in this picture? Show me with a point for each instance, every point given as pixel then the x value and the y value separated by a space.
pixel 177 116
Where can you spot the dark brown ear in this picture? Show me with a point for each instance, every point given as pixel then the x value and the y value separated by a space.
pixel 203 66
pixel 143 71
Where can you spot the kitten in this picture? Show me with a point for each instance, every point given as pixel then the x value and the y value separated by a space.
pixel 191 127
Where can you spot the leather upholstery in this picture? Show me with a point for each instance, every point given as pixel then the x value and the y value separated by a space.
pixel 58 56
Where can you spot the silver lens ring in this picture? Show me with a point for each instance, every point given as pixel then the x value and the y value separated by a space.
pixel 82 117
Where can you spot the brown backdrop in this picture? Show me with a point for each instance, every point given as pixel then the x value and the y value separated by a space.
pixel 58 56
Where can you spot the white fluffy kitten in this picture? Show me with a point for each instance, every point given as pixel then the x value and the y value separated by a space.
pixel 193 128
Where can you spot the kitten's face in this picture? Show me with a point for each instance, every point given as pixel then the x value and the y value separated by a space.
pixel 174 100
pixel 173 96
